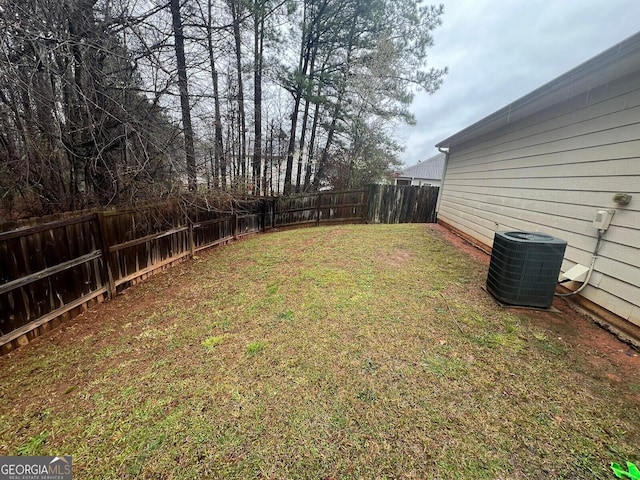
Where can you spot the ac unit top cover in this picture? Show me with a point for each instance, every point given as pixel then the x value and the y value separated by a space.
pixel 531 237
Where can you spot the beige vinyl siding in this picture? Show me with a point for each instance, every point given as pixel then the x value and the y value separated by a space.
pixel 615 97
pixel 550 172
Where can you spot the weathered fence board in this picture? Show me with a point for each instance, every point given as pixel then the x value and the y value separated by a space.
pixel 212 232
pixel 401 204
pixel 247 224
pixel 47 271
pixel 348 206
pixel 58 268
pixel 296 210
pixel 321 207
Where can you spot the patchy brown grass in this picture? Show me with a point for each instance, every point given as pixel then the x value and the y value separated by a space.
pixel 351 352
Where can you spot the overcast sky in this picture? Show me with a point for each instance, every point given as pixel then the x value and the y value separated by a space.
pixel 499 50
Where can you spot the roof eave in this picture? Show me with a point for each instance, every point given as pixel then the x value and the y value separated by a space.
pixel 614 62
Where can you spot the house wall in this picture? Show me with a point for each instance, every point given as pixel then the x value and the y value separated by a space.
pixel 550 172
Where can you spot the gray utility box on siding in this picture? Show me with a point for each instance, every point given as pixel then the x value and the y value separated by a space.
pixel 524 268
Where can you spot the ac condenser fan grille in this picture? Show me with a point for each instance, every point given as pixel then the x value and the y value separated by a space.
pixel 524 268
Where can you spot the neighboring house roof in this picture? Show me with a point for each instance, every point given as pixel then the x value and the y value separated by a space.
pixel 431 168
pixel 619 60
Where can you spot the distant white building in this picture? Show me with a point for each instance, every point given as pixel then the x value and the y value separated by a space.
pixel 426 173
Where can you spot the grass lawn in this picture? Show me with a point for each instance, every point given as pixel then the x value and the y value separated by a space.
pixel 327 353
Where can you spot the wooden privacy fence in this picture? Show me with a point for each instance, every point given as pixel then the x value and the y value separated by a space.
pixel 321 208
pixel 402 204
pixel 53 271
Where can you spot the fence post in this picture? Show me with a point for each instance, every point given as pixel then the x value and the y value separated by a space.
pixel 318 202
pixel 365 205
pixel 192 245
pixel 190 239
pixel 106 255
pixel 234 226
pixel 273 212
pixel 373 203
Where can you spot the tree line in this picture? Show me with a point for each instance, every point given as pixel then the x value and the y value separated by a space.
pixel 112 102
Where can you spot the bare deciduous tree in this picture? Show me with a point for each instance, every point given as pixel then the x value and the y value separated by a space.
pixel 103 102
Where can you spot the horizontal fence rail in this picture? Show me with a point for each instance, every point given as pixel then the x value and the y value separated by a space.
pixel 53 271
pixel 46 271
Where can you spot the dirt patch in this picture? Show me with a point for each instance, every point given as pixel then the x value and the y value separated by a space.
pixel 111 315
pixel 396 259
pixel 459 242
pixel 604 350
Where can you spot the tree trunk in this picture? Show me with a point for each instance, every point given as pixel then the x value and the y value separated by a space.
pixel 312 141
pixel 271 156
pixel 242 123
pixel 220 164
pixel 258 33
pixel 314 129
pixel 305 117
pixel 184 95
pixel 303 64
pixel 338 105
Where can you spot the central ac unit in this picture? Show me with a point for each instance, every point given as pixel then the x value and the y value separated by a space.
pixel 524 268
